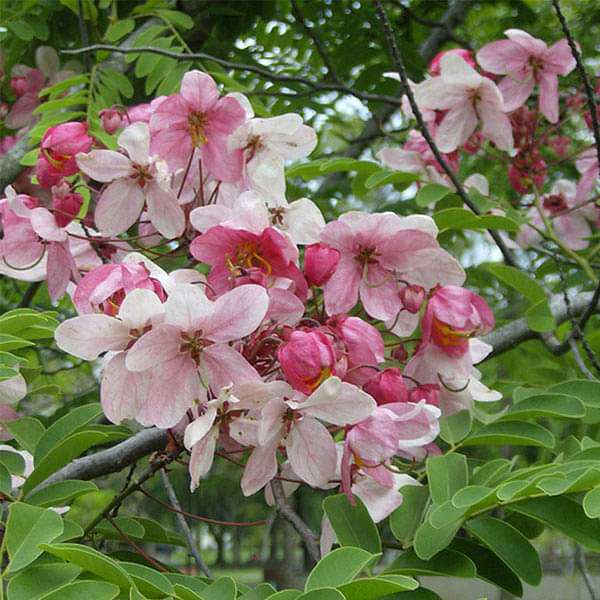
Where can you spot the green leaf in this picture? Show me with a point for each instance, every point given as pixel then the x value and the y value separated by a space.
pixel 191 583
pixel 389 177
pixel 461 218
pixel 286 595
pixel 430 540
pixel 184 593
pixel 98 590
pixel 591 503
pixel 67 450
pixel 448 563
pixel 471 495
pixel 148 581
pixel 456 427
pixel 510 545
pixel 352 524
pixel 489 568
pixel 119 29
pixel 93 561
pixel 260 592
pixel 61 492
pixel 27 431
pixel 445 514
pixel 21 29
pixel 79 99
pixel 30 159
pixel 12 342
pixel 373 588
pixel 492 472
pixel 323 594
pixel 28 527
pixel 407 517
pixel 70 423
pixel 446 475
pixel 37 580
pixel 117 81
pixel 129 526
pixel 431 193
pixel 517 433
pixel 224 588
pixel 14 462
pixel 64 85
pixel 565 515
pixel 587 391
pixel 5 480
pixel 547 405
pixel 179 19
pixel 72 531
pixel 337 567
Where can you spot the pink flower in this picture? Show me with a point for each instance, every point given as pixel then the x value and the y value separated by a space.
pixel 587 165
pixel 571 224
pixel 377 250
pixel 435 64
pixel 307 358
pixel 294 420
pixel 454 315
pixel 527 61
pixel 58 148
pixel 192 345
pixel 198 118
pixel 430 392
pixel 387 386
pixel 469 99
pixel 111 119
pixel 233 253
pixel 137 180
pixel 123 393
pixel 65 204
pixel 320 261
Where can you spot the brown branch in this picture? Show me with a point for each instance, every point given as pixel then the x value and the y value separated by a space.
pixel 399 64
pixel 589 91
pixel 270 75
pixel 183 525
pixel 286 511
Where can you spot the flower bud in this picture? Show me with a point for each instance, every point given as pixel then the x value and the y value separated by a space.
pixel 412 297
pixel 399 353
pixel 320 262
pixel 307 359
pixel 111 120
pixel 466 55
pixel 19 86
pixel 387 386
pixel 430 392
pixel 66 204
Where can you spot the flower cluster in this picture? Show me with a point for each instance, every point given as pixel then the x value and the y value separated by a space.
pixel 274 350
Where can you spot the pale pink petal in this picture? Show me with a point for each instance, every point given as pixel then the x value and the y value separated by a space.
pixel 160 344
pixel 559 58
pixel 135 139
pixel 199 90
pixel 223 165
pixel 87 336
pixel 379 293
pixel 260 469
pixel 303 221
pixel 244 430
pixel 341 291
pixel 164 211
pixel 47 60
pixel 515 92
pixel 254 395
pixel 574 230
pixel 187 307
pixel 456 127
pixel 122 392
pixel 311 452
pixel 140 308
pixel 532 45
pixel 549 96
pixel 199 427
pixel 237 313
pixel 21 111
pixel 285 308
pixel 44 224
pixel 205 217
pixel 456 71
pixel 328 537
pixel 298 143
pixel 379 500
pixel 502 56
pixel 337 403
pixel 202 458
pixel 436 94
pixel 270 428
pixel 223 366
pixel 119 206
pixel 59 267
pixel 104 165
pixel 495 125
pixel 174 386
pixel 12 389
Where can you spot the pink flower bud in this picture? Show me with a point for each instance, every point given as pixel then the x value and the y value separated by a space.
pixel 466 55
pixel 320 262
pixel 399 353
pixel 412 297
pixel 19 86
pixel 387 387
pixel 66 204
pixel 111 120
pixel 430 392
pixel 307 359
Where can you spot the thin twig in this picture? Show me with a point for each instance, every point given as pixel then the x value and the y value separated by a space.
pixel 286 511
pixel 27 298
pixel 579 557
pixel 272 76
pixel 183 524
pixel 319 46
pixel 399 65
pixel 589 91
pixel 579 359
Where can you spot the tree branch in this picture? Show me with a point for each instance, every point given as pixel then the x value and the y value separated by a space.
pixel 183 525
pixel 589 91
pixel 286 511
pixel 399 64
pixel 266 73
